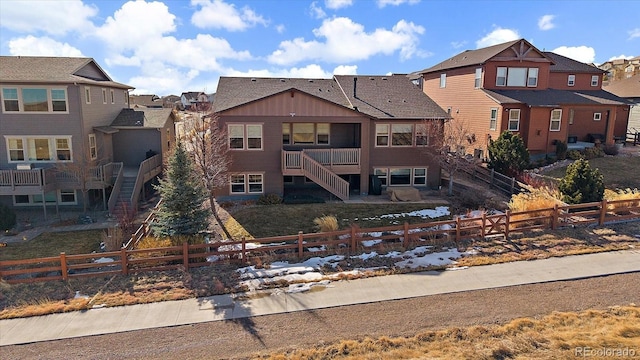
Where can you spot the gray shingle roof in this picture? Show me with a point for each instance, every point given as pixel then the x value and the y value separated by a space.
pixel 236 91
pixel 565 64
pixel 470 57
pixel 37 69
pixel 142 118
pixel 553 97
pixel 627 88
pixel 385 97
pixel 380 97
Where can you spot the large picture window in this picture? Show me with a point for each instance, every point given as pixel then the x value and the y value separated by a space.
pixel 401 134
pixel 34 100
pixel 401 176
pixel 517 76
pixel 63 197
pixel 306 133
pixel 39 149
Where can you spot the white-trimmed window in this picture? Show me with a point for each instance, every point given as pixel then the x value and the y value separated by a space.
pixel 477 81
pixel 556 119
pixel 422 135
pixel 401 134
pixel 597 116
pixel 382 134
pixel 246 183
pixel 254 137
pixel 87 95
pixel 517 76
pixel 245 136
pixel 443 80
pixel 113 96
pixel 381 173
pixel 594 80
pixel 532 77
pixel 104 96
pixel 39 149
pixel 493 121
pixel 34 100
pixel 571 80
pixel 501 76
pixel 514 119
pixel 126 97
pixel 93 150
pixel 420 176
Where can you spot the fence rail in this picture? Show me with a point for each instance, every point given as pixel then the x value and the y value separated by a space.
pixel 351 240
pixel 505 184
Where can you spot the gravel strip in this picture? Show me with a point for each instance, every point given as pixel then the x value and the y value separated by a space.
pixel 264 334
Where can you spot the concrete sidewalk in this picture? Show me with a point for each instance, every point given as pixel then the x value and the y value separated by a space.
pixel 340 293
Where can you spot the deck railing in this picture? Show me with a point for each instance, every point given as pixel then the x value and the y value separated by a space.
pixel 146 171
pixel 324 177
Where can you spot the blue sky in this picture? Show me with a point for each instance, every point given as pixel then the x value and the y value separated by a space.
pixel 170 46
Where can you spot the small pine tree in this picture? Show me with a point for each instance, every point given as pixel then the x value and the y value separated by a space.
pixel 581 184
pixel 181 211
pixel 508 155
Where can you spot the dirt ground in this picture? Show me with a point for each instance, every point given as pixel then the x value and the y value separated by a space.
pixel 247 338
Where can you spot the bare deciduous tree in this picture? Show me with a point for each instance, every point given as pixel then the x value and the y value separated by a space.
pixel 447 144
pixel 207 142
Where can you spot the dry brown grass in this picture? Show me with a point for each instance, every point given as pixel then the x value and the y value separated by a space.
pixel 560 335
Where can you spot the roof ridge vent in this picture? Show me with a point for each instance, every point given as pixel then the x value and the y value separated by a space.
pixel 253 79
pixel 282 80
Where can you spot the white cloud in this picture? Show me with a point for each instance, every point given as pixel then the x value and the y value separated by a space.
pixel 383 3
pixel 42 46
pixel 337 4
pixel 150 21
pixel 458 44
pixel 310 71
pixel 634 33
pixel 497 36
pixel 217 14
pixel 280 28
pixel 545 22
pixel 583 54
pixel 346 70
pixel 620 57
pixel 316 11
pixel 50 17
pixel 346 41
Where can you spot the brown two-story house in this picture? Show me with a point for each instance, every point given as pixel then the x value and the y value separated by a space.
pixel 60 143
pixel 542 96
pixel 329 133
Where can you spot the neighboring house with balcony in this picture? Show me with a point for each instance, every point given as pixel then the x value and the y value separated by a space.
pixel 57 137
pixel 629 89
pixel 542 96
pixel 291 134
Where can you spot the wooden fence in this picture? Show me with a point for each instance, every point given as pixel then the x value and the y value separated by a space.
pixel 349 241
pixel 495 180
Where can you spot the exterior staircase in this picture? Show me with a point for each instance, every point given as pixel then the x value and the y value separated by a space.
pixel 123 204
pixel 324 177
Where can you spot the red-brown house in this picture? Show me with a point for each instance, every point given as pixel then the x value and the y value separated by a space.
pixel 326 133
pixel 542 96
